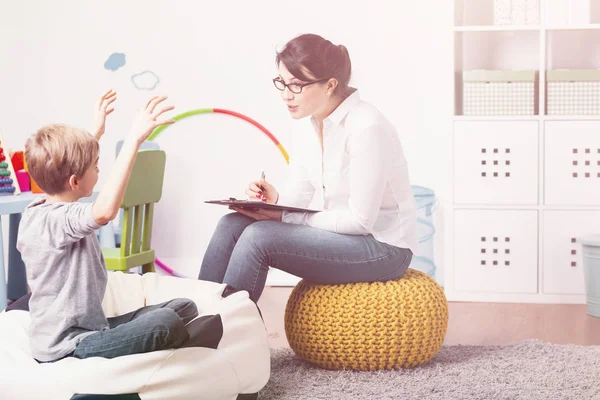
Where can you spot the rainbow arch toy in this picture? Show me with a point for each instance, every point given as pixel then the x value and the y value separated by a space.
pixel 187 114
pixel 200 111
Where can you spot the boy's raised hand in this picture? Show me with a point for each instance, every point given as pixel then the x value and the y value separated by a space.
pixel 101 111
pixel 146 119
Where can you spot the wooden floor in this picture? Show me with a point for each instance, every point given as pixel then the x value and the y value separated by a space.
pixel 477 323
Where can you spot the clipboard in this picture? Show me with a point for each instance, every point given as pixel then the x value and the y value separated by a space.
pixel 258 204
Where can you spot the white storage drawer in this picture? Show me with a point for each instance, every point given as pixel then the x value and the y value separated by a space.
pixel 496 162
pixel 562 261
pixel 572 163
pixel 495 251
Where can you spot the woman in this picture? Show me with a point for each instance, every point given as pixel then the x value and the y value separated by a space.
pixel 367 229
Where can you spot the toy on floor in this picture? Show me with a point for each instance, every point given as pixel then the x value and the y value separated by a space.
pixel 200 111
pixel 8 177
pixel 168 270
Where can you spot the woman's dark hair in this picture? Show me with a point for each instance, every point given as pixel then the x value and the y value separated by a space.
pixel 320 57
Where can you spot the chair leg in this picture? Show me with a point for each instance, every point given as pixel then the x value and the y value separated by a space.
pixel 148 268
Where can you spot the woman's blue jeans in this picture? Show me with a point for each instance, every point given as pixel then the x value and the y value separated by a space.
pixel 241 251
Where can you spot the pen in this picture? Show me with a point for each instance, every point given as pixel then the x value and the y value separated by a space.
pixel 262 176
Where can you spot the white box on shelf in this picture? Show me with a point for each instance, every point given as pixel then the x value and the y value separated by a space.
pixel 496 162
pixel 502 12
pixel 496 251
pixel 498 92
pixel 557 12
pixel 572 163
pixel 573 92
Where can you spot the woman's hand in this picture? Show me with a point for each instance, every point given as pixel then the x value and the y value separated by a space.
pixel 268 195
pixel 102 111
pixel 259 214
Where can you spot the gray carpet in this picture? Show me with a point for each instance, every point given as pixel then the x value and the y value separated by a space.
pixel 530 370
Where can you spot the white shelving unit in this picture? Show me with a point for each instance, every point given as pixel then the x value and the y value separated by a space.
pixel 523 186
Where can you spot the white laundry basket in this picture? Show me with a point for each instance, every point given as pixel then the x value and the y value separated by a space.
pixel 424 259
pixel 591 272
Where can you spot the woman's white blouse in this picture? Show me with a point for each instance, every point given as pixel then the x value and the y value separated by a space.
pixel 360 177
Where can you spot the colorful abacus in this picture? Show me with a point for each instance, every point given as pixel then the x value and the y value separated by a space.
pixel 5 183
pixel 7 174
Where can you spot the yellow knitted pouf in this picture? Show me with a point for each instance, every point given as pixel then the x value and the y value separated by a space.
pixel 368 326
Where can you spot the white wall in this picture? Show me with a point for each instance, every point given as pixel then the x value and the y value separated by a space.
pixel 221 55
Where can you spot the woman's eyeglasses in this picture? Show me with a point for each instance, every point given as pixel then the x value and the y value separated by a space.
pixel 295 88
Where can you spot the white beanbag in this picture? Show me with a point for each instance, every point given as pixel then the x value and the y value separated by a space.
pixel 237 369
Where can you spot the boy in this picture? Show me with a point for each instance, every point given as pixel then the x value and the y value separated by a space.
pixel 58 243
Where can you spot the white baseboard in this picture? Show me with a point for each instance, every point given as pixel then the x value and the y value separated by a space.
pixel 277 277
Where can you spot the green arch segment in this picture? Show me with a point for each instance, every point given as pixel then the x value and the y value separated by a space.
pixel 177 118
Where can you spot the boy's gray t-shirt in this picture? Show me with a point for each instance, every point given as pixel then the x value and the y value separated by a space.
pixel 66 273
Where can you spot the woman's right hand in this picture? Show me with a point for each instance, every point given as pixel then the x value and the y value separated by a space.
pixel 268 195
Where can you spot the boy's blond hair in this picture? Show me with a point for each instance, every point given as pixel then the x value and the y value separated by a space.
pixel 55 152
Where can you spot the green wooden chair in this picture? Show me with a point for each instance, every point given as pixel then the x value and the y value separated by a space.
pixel 143 190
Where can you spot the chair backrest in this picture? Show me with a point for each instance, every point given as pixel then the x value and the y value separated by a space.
pixel 146 145
pixel 143 190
